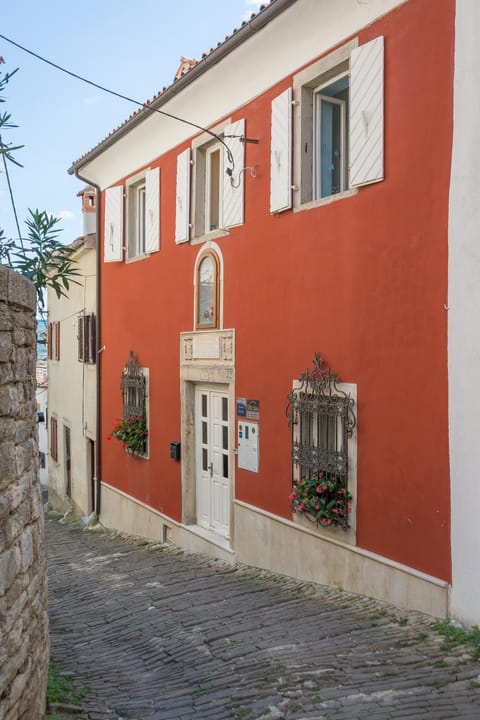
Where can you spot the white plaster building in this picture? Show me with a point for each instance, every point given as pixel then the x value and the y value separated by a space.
pixel 72 378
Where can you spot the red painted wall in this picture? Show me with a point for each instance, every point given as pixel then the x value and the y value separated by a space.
pixel 362 280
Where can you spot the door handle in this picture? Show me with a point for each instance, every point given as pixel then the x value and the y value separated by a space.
pixel 210 467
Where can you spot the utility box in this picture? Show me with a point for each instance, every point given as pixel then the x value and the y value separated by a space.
pixel 175 450
pixel 248 445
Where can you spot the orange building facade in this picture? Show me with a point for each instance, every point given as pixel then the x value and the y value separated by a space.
pixel 311 216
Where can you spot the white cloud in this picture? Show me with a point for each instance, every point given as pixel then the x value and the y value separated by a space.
pixel 66 215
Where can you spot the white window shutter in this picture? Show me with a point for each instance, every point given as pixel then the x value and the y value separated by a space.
pixel 281 153
pixel 152 210
pixel 232 211
pixel 182 214
pixel 113 230
pixel 366 113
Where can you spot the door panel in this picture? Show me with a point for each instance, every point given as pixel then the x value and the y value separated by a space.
pixel 213 463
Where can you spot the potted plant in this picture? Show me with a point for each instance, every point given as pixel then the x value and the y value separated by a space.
pixel 323 498
pixel 132 432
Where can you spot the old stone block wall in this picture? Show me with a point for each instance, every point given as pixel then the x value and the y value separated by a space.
pixel 24 646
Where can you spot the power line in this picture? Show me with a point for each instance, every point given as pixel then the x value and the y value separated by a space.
pixel 125 97
pixel 10 190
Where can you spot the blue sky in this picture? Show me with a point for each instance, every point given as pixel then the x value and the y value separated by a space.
pixel 131 47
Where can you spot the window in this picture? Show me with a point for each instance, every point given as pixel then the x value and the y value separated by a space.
pixel 53 340
pixel 134 393
pixel 86 339
pixel 142 200
pixel 207 292
pixel 330 106
pixel 337 128
pixel 53 439
pixel 217 197
pixel 136 208
pixel 322 420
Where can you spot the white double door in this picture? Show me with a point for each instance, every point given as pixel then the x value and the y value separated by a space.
pixel 212 459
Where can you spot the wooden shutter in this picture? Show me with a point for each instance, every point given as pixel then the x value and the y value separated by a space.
pixel 281 153
pixel 233 186
pixel 49 341
pixel 81 339
pixel 113 230
pixel 366 113
pixel 53 439
pixel 56 327
pixel 92 340
pixel 152 210
pixel 182 213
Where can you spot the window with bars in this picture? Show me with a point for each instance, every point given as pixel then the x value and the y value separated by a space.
pixel 53 438
pixel 134 395
pixel 53 340
pixel 86 339
pixel 322 420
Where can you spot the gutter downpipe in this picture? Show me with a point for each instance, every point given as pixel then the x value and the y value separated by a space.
pixel 98 444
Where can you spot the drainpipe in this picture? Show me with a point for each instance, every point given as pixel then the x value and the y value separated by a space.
pixel 98 444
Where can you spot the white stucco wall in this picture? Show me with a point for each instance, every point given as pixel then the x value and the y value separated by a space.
pixel 72 386
pixel 463 325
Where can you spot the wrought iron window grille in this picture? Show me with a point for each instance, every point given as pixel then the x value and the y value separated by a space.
pixel 133 390
pixel 321 419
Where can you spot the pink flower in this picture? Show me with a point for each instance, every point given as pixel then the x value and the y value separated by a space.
pixel 319 490
pixel 301 507
pixel 324 487
pixel 292 496
pixel 335 511
pixel 317 507
pixel 326 521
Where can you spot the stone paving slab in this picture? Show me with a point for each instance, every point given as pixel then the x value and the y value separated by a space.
pixel 158 634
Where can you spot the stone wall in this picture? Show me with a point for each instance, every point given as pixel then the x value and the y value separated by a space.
pixel 24 645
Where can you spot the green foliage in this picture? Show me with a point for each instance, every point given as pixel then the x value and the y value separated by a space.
pixel 321 497
pixel 456 635
pixel 60 688
pixel 42 257
pixel 132 432
pixel 46 262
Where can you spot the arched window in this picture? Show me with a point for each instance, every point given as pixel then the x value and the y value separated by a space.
pixel 207 292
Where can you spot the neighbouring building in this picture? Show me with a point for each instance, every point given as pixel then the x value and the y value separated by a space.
pixel 72 377
pixel 286 301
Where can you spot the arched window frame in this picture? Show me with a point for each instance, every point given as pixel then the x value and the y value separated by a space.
pixel 215 324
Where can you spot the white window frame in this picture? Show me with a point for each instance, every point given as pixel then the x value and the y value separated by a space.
pixel 318 160
pixel 306 84
pixel 202 149
pixel 209 152
pixel 136 225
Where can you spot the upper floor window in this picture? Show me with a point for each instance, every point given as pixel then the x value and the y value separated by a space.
pixel 208 198
pixel 337 112
pixel 53 340
pixel 136 218
pixel 86 339
pixel 141 234
pixel 330 139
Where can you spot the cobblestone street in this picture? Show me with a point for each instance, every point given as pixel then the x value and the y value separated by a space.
pixel 156 634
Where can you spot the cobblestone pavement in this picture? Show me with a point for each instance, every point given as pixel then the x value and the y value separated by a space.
pixel 157 634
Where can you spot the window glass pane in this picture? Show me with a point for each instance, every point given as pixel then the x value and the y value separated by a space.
pixel 204 406
pixel 225 437
pixel 225 409
pixel 204 433
pixel 206 291
pixel 225 466
pixel 204 460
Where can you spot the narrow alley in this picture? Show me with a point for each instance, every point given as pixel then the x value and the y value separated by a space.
pixel 157 634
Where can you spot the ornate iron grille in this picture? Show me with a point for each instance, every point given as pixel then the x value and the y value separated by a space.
pixel 321 418
pixel 133 389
